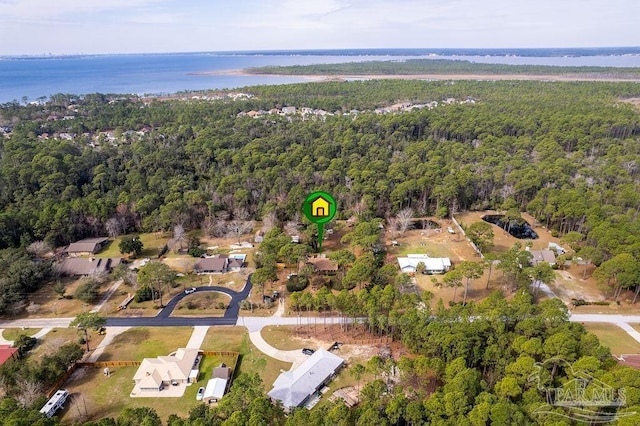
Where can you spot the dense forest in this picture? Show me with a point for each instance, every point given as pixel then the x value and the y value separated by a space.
pixel 566 152
pixel 446 67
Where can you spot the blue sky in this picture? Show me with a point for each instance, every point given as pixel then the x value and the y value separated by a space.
pixel 131 26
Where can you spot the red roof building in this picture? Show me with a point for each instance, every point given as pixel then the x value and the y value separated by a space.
pixel 7 353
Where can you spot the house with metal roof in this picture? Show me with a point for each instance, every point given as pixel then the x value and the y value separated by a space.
pixel 432 265
pixel 87 247
pixel 294 388
pixel 544 255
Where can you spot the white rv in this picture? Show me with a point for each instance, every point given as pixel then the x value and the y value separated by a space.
pixel 55 403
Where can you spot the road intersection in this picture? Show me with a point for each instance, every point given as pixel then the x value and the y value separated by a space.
pixel 116 325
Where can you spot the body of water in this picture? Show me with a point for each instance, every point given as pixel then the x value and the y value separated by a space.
pixel 35 77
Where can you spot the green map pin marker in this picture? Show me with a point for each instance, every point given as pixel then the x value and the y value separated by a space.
pixel 319 207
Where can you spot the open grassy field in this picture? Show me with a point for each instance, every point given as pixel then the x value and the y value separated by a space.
pixel 202 304
pixel 51 305
pixel 52 341
pixel 138 343
pixel 433 242
pixel 614 337
pixel 286 339
pixel 152 244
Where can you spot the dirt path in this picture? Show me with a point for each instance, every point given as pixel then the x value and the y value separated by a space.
pixel 107 296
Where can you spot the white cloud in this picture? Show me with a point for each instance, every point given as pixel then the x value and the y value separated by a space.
pixel 35 26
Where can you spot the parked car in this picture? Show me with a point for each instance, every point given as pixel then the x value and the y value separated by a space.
pixel 308 351
pixel 174 383
pixel 190 290
pixel 200 394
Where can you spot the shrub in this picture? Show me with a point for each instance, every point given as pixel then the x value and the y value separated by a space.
pixel 87 291
pixel 144 293
pixel 196 251
pixel 24 344
pixel 297 283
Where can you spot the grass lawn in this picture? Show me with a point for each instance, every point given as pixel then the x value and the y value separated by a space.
pixel 50 305
pixel 107 396
pixel 152 244
pixel 202 304
pixel 614 337
pixel 51 342
pixel 13 333
pixel 285 338
pixel 148 342
pixel 251 359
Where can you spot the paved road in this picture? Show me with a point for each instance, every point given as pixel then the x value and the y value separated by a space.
pixel 164 318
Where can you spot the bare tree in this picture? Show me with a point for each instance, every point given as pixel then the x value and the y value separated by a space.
pixel 179 239
pixel 269 221
pixel 393 226
pixel 33 308
pixel 360 207
pixel 240 225
pixel 114 227
pixel 404 217
pixel 28 392
pixel 291 227
pixel 17 307
pixel 216 226
pixel 39 248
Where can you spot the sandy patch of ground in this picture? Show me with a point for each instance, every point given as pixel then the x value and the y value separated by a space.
pixel 489 77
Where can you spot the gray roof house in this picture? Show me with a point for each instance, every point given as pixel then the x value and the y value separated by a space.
pixel 544 255
pixel 294 388
pixel 212 265
pixel 86 266
pixel 87 246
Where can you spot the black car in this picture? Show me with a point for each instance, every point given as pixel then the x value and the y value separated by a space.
pixel 308 351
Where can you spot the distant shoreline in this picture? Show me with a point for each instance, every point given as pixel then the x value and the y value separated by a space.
pixel 483 77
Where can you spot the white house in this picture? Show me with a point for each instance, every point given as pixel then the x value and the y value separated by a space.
pixel 294 388
pixel 156 373
pixel 433 265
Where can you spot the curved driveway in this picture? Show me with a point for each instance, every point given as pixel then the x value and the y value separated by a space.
pixel 164 318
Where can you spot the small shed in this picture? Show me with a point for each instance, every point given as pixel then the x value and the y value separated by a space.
pixel 215 390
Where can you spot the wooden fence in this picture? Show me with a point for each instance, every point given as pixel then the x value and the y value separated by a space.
pixel 234 355
pixel 99 364
pixel 58 384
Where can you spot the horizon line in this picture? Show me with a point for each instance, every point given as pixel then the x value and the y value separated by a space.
pixel 302 50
